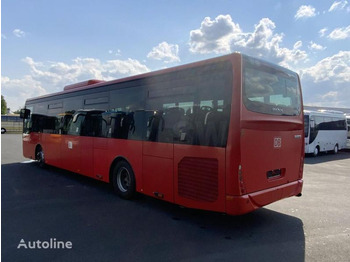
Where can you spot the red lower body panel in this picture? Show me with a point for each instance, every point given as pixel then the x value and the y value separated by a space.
pixel 238 205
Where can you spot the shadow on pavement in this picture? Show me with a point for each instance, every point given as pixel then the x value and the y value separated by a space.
pixel 41 204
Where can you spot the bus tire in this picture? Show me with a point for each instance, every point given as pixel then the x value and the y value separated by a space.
pixel 123 180
pixel 336 149
pixel 3 130
pixel 40 156
pixel 316 151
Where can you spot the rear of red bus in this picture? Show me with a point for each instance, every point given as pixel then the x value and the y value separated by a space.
pixel 265 151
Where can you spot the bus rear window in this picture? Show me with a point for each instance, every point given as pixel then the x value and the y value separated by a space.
pixel 270 89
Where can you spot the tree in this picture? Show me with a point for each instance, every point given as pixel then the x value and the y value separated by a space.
pixel 18 111
pixel 3 105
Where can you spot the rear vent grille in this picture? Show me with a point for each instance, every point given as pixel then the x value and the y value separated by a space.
pixel 198 178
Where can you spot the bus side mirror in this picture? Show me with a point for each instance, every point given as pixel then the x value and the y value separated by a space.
pixel 25 113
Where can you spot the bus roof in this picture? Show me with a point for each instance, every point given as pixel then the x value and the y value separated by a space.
pixel 329 113
pixel 94 83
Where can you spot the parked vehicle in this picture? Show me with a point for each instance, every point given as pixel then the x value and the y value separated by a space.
pixel 324 131
pixel 11 123
pixel 225 134
pixel 348 124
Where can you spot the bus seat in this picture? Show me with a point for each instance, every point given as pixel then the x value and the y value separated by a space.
pixel 172 117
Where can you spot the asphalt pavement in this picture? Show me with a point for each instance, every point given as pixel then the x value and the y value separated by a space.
pixel 55 205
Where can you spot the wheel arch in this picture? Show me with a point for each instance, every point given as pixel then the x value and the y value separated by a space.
pixel 336 148
pixel 37 148
pixel 114 163
pixel 318 150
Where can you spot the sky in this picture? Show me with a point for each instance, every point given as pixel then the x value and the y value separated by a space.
pixel 46 45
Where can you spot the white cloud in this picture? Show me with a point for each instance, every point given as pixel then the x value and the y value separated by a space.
pixel 336 68
pixel 338 5
pixel 314 46
pixel 16 91
pixel 340 33
pixel 84 68
pixel 120 68
pixel 331 95
pixel 51 77
pixel 323 31
pixel 327 82
pixel 167 52
pixel 263 36
pixel 222 35
pixel 214 35
pixel 19 33
pixel 298 44
pixel 305 11
pixel 117 53
pixel 264 42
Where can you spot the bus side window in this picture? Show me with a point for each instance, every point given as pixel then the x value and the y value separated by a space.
pixel 118 124
pixel 49 124
pixel 172 117
pixel 65 122
pixel 27 125
pixel 36 123
pixel 137 122
pixel 74 126
pixel 92 125
pixel 155 126
pixel 128 125
pixel 105 123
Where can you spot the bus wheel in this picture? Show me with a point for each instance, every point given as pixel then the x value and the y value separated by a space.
pixel 40 157
pixel 316 151
pixel 3 130
pixel 335 151
pixel 123 180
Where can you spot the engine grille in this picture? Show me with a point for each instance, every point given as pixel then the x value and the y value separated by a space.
pixel 198 178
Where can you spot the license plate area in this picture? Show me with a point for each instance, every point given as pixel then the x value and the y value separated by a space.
pixel 276 173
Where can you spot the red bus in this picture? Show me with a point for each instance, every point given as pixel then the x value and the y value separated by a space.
pixel 225 134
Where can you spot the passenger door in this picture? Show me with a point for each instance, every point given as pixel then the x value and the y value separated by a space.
pixel 158 154
pixel 93 147
pixel 72 144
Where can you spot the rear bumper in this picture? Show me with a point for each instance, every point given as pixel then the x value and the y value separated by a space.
pixel 238 205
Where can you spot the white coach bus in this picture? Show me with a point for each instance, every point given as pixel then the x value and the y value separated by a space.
pixel 348 123
pixel 324 131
